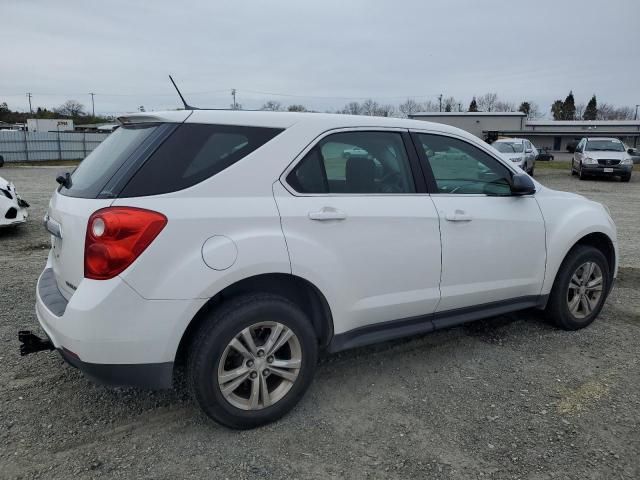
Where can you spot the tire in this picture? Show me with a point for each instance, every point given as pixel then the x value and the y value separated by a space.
pixel 573 170
pixel 626 178
pixel 581 174
pixel 212 345
pixel 563 291
pixel 531 172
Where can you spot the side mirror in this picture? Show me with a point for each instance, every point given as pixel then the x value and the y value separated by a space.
pixel 631 151
pixel 521 184
pixel 528 150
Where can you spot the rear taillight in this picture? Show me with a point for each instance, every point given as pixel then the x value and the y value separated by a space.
pixel 116 236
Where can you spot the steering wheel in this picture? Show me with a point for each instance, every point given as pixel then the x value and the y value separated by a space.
pixel 391 183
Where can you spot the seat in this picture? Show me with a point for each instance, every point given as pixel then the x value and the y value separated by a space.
pixel 360 175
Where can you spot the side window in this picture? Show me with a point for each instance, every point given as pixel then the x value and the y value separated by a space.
pixel 460 168
pixel 355 162
pixel 193 153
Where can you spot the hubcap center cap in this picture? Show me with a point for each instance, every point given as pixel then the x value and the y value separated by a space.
pixel 583 289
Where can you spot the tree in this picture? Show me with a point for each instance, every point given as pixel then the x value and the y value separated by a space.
pixel 579 111
pixel 525 107
pixel 487 102
pixel 297 108
pixel 352 108
pixel 569 107
pixel 409 107
pixel 591 112
pixel 473 106
pixel 235 106
pixel 449 104
pixel 272 106
pixel 70 108
pixel 141 108
pixel 607 111
pixel 501 106
pixel 556 109
pixel 369 107
pixel 4 108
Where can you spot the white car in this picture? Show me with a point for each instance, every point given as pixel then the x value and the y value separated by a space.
pixel 598 156
pixel 245 244
pixel 519 151
pixel 13 209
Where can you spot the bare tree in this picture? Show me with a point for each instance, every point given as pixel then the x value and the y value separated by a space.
pixel 272 106
pixel 431 106
pixel 235 106
pixel 385 111
pixel 501 106
pixel 487 102
pixel 352 108
pixel 70 108
pixel 606 111
pixel 449 104
pixel 296 108
pixel 370 107
pixel 580 110
pixel 410 107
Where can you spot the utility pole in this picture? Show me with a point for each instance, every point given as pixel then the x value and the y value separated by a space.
pixel 31 109
pixel 93 106
pixel 440 100
pixel 635 117
pixel 233 94
pixel 459 107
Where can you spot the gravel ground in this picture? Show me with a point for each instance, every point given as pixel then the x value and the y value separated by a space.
pixel 510 397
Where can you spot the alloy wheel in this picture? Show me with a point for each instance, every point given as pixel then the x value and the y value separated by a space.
pixel 259 366
pixel 585 290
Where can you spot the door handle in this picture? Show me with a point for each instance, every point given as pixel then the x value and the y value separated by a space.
pixel 327 213
pixel 458 216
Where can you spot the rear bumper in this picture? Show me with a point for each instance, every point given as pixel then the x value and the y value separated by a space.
pixel 111 333
pixel 143 375
pixel 617 170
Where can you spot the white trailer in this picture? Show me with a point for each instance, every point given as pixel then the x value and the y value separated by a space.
pixel 49 125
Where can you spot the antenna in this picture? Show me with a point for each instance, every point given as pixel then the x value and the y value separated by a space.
pixel 186 105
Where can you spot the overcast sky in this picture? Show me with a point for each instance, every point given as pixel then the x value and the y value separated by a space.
pixel 318 53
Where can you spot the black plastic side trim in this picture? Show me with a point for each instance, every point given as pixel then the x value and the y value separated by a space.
pixel 143 375
pixel 384 331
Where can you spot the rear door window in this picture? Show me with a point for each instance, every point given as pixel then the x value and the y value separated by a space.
pixel 193 153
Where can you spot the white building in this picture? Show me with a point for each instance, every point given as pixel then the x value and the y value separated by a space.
pixel 555 135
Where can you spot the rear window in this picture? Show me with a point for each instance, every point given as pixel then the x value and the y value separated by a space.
pixel 96 170
pixel 193 153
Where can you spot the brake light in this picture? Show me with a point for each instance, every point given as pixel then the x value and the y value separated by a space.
pixel 116 236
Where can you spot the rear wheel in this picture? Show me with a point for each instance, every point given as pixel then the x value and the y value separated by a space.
pixel 253 361
pixel 580 288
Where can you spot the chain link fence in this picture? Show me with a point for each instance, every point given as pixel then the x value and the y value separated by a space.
pixel 22 146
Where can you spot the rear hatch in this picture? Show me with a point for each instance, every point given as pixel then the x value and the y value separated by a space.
pixel 93 185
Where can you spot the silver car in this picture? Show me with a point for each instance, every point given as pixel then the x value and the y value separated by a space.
pixel 519 151
pixel 601 156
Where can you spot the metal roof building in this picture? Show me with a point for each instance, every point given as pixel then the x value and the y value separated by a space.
pixel 552 134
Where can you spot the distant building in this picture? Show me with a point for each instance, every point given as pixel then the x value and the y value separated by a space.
pixel 555 135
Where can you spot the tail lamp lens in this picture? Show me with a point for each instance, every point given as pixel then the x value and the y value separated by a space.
pixel 116 236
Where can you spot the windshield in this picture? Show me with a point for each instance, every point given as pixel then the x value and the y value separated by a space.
pixel 508 147
pixel 604 146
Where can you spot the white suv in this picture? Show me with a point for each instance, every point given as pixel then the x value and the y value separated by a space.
pixel 246 243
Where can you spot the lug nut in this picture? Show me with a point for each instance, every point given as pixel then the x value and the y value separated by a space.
pixel 261 353
pixel 253 375
pixel 266 372
pixel 270 359
pixel 249 363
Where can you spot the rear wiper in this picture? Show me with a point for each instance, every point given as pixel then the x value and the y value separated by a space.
pixel 64 180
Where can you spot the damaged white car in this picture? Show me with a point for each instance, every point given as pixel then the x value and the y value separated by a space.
pixel 13 209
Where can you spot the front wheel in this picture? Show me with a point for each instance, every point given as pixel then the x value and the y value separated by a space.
pixel 581 174
pixel 626 178
pixel 253 360
pixel 580 288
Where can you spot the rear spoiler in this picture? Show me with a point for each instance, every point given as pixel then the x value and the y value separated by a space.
pixel 177 116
